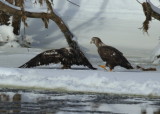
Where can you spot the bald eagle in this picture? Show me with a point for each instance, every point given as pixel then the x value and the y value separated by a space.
pixel 66 56
pixel 110 55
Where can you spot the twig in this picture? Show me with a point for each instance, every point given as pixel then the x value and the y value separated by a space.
pixel 138 1
pixel 73 3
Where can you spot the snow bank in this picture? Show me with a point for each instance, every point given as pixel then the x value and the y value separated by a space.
pixel 141 83
pixel 7 37
pixel 6 33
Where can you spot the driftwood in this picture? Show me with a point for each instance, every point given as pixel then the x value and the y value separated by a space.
pixel 146 69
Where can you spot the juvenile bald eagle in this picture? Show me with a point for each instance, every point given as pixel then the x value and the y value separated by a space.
pixel 110 55
pixel 66 56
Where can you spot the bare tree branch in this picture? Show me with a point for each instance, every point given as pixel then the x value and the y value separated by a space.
pixel 138 1
pixel 12 10
pixel 52 16
pixel 73 3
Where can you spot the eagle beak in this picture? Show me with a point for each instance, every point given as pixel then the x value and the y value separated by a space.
pixel 91 42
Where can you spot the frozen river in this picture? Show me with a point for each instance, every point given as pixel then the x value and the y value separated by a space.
pixel 48 102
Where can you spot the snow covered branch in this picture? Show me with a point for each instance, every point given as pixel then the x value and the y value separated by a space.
pixel 150 11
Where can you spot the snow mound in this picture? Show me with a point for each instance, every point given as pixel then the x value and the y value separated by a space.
pixel 6 33
pixel 141 83
pixel 7 37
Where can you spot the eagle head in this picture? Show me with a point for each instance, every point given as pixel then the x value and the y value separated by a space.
pixel 97 41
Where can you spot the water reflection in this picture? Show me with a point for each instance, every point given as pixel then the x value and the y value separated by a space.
pixel 46 102
pixel 155 112
pixel 8 105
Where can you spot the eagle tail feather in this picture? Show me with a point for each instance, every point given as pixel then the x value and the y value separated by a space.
pixel 126 63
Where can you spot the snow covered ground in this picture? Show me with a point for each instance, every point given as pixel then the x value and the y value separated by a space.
pixel 120 81
pixel 116 22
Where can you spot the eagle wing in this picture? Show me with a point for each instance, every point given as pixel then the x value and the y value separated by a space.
pixel 108 52
pixel 113 56
pixel 44 58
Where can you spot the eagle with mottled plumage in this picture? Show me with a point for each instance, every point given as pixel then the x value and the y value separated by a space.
pixel 110 55
pixel 66 56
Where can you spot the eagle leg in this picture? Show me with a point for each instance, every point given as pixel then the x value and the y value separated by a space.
pixel 103 66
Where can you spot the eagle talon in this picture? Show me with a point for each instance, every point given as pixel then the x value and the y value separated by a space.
pixel 103 66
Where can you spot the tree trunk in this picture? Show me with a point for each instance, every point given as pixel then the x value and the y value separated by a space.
pixel 4 17
pixel 16 21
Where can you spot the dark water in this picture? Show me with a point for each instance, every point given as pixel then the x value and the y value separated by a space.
pixel 14 101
